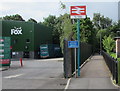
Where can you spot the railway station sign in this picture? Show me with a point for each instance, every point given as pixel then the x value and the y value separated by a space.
pixel 73 44
pixel 78 11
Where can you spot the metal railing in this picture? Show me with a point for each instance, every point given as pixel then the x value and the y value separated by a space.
pixel 112 65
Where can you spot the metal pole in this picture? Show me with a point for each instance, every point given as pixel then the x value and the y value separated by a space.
pixel 75 64
pixel 78 38
pixel 116 49
pixel 100 44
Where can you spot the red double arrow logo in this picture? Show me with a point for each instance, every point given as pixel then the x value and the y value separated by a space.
pixel 77 10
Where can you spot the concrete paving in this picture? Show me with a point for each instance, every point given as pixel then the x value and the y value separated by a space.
pixel 4 68
pixel 35 74
pixel 48 74
pixel 94 75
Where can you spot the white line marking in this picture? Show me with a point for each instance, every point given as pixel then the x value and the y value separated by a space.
pixel 114 83
pixel 68 82
pixel 13 76
pixel 49 60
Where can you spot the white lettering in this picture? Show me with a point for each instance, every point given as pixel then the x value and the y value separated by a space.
pixel 16 31
pixel 12 31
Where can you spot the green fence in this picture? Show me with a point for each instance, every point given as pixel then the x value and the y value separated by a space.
pixel 85 51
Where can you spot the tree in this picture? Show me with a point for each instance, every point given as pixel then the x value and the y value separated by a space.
pixel 16 17
pixel 67 28
pixel 87 30
pixel 114 29
pixel 108 44
pixel 101 22
pixel 102 27
pixel 102 33
pixel 32 20
pixel 52 22
pixel 62 5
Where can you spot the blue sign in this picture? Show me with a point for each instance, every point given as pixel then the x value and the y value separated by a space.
pixel 73 44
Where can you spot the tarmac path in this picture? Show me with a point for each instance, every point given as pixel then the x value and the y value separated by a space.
pixel 94 75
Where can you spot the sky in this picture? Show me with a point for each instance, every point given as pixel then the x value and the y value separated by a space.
pixel 39 9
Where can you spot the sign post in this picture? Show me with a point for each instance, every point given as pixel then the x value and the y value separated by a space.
pixel 78 12
pixel 78 38
pixel 75 65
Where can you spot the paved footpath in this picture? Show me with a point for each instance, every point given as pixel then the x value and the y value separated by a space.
pixel 94 75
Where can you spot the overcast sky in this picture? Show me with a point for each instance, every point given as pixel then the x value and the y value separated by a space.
pixel 38 9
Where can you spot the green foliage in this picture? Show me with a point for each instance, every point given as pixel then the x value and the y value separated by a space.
pixel 108 44
pixel 32 20
pixel 101 33
pixel 104 27
pixel 113 55
pixel 67 28
pixel 101 22
pixel 16 17
pixel 87 30
pixel 118 59
pixel 50 21
pixel 67 25
pixel 53 23
pixel 114 28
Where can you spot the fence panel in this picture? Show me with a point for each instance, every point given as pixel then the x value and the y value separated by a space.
pixel 86 51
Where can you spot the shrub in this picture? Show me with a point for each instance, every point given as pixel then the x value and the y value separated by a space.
pixel 108 44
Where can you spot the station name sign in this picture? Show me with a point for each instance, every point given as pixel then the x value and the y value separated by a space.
pixel 16 31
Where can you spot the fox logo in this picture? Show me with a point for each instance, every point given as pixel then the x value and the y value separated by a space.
pixel 16 31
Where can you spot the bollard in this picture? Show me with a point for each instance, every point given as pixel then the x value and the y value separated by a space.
pixel 21 62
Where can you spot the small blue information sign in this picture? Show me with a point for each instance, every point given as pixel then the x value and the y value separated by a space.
pixel 73 44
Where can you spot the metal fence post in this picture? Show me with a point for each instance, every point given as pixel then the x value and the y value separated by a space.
pixel 118 72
